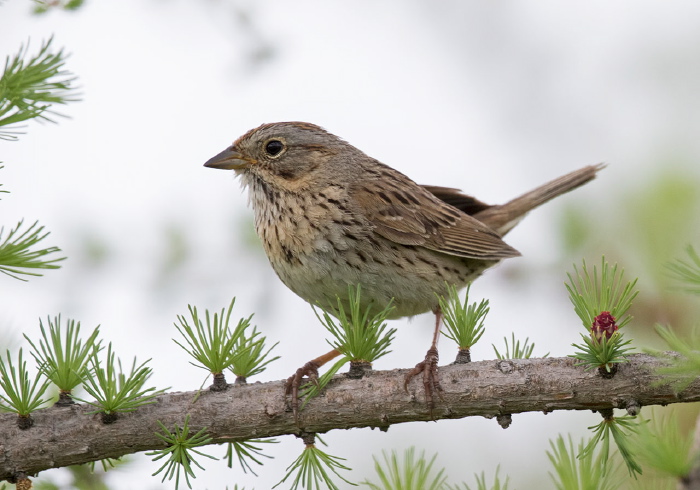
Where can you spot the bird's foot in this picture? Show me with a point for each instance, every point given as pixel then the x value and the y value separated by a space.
pixel 310 370
pixel 431 379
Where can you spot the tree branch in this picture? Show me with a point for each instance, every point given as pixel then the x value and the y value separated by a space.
pixel 63 436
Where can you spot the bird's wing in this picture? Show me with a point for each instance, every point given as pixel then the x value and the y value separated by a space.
pixel 406 213
pixel 454 197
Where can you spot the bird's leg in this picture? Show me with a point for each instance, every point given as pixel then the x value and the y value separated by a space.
pixel 309 369
pixel 429 367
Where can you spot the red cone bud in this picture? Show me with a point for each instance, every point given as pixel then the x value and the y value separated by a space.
pixel 603 324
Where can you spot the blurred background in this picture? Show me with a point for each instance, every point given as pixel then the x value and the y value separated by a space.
pixel 492 97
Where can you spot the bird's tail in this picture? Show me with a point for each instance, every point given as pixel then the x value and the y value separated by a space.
pixel 502 218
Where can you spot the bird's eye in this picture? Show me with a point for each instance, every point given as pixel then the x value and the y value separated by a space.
pixel 274 147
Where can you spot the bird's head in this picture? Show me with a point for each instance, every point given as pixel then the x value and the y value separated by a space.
pixel 289 155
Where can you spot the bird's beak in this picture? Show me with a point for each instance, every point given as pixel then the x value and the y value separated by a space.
pixel 229 159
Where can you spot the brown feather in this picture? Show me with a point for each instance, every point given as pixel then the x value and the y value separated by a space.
pixel 504 217
pixel 422 219
pixel 454 197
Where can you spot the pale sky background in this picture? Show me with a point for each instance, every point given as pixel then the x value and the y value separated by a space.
pixel 491 97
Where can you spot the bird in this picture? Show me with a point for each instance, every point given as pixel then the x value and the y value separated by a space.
pixel 329 216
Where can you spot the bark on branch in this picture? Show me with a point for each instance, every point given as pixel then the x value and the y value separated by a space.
pixel 63 436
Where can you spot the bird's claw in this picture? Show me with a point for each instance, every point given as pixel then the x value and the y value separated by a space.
pixel 294 382
pixel 431 378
